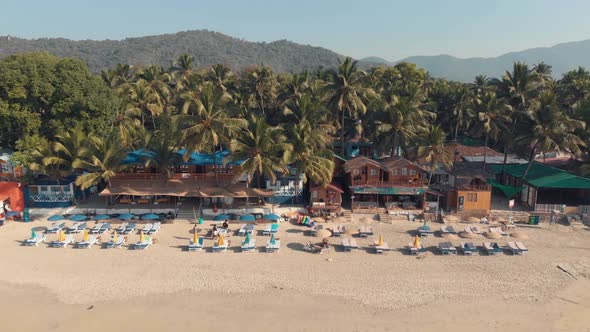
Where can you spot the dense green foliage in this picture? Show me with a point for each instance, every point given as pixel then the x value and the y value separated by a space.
pixel 273 120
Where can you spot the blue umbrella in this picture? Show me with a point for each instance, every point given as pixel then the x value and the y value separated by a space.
pixel 12 213
pixel 221 217
pixel 272 216
pixel 150 216
pixel 126 216
pixel 56 217
pixel 247 217
pixel 101 217
pixel 78 217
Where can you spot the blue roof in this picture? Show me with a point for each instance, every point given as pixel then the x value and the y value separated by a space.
pixel 195 158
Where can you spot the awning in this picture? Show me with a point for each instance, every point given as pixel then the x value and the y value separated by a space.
pixel 390 191
pixel 434 192
pixel 508 191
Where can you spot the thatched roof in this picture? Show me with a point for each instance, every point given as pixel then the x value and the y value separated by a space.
pixel 359 162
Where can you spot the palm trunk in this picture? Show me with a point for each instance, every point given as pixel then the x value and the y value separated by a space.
pixel 456 130
pixel 215 168
pixel 431 172
pixel 485 150
pixel 528 168
pixel 342 135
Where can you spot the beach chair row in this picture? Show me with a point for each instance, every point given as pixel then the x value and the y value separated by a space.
pixel 100 228
pixel 272 245
pixel 469 248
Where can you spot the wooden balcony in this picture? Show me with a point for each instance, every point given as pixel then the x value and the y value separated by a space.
pixel 223 178
pixel 479 187
pixel 387 184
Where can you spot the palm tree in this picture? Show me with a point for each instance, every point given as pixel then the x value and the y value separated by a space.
pixel 43 150
pixel 347 89
pixel 221 76
pixel 182 70
pixel 431 148
pixel 551 130
pixel 209 126
pixel 462 112
pixel 261 84
pixel 143 99
pixel 68 151
pixel 263 149
pixel 157 79
pixel 493 115
pixel 104 162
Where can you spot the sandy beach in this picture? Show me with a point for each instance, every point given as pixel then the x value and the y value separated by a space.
pixel 167 288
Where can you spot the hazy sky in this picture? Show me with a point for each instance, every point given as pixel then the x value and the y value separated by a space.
pixel 391 29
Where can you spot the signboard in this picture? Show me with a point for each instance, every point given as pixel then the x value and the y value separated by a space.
pixel 511 203
pixel 461 203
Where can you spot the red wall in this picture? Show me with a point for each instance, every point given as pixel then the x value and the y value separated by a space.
pixel 15 193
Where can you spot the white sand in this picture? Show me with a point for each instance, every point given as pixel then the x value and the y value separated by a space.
pixel 166 286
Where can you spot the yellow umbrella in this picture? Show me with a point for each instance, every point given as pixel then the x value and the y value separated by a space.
pixel 380 243
pixel 62 236
pixel 140 236
pixel 115 237
pixel 86 235
pixel 220 240
pixel 417 242
pixel 195 236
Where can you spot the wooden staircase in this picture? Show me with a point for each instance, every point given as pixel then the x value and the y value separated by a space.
pixel 384 217
pixel 346 215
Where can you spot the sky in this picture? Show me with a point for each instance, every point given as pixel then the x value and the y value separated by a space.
pixel 391 29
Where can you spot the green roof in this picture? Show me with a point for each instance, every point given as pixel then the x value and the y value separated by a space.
pixel 543 176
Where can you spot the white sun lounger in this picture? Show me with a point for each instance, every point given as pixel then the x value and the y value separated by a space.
pixel 413 250
pixel 338 230
pixel 273 247
pixel 270 229
pixel 448 229
pixel 146 228
pixel 447 248
pixel 498 230
pixel 115 244
pixel 475 230
pixel 34 241
pixel 144 244
pixel 425 231
pixel 155 228
pixel 58 244
pixel 242 230
pixel 512 247
pixel 468 248
pixel 492 248
pixel 220 248
pixel 93 239
pixel 198 246
pixel 76 227
pixel 130 228
pixel 55 227
pixel 121 229
pixel 250 246
pixel 105 227
pixel 96 228
pixel 365 231
pixel 349 243
pixel 522 247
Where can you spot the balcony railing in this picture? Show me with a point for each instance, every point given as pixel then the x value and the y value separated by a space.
pixel 193 176
pixel 479 187
pixel 387 184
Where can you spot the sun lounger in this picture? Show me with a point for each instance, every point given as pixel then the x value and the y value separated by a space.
pixel 314 229
pixel 58 244
pixel 270 229
pixel 512 247
pixel 74 228
pixel 130 228
pixel 105 227
pixel 446 248
pixel 448 229
pixel 146 228
pixel 146 243
pixel 198 246
pixel 96 228
pixel 413 250
pixel 338 230
pixel 115 244
pixel 410 216
pixel 379 249
pixel 498 230
pixel 522 247
pixel 220 248
pixel 34 241
pixel 55 227
pixel 273 247
pixel 468 248
pixel 93 239
pixel 121 229
pixel 155 228
pixel 475 230
pixel 242 230
pixel 349 243
pixel 250 246
pixel 425 231
pixel 365 231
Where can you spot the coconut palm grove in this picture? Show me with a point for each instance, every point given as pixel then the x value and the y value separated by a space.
pixel 60 119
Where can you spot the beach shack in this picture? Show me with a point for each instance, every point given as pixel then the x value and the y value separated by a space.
pixel 394 182
pixel 8 170
pixel 11 198
pixel 326 199
pixel 46 192
pixel 287 188
pixel 468 191
pixel 547 188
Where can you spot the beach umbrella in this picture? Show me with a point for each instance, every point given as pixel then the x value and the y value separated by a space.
pixel 86 235
pixel 33 233
pixel 101 217
pixel 492 235
pixel 126 216
pixel 195 235
pixel 451 218
pixel 221 217
pixel 140 236
pixel 78 217
pixel 12 213
pixel 364 220
pixel 56 217
pixel 323 233
pixel 247 217
pixel 351 231
pixel 115 236
pixel 450 236
pixel 380 242
pixel 467 235
pixel 319 219
pixel 62 236
pixel 272 239
pixel 201 221
pixel 220 240
pixel 473 219
pixel 150 216
pixel 247 239
pixel 417 242
pixel 272 216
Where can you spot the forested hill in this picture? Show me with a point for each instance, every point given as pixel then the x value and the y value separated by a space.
pixel 206 47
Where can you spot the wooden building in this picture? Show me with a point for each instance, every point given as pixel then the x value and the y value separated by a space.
pixel 326 199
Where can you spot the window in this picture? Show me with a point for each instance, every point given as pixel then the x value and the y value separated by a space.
pixel 5 168
pixel 66 188
pixel 412 172
pixel 364 171
pixel 395 172
pixel 373 172
pixel 404 171
pixel 472 197
pixel 355 171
